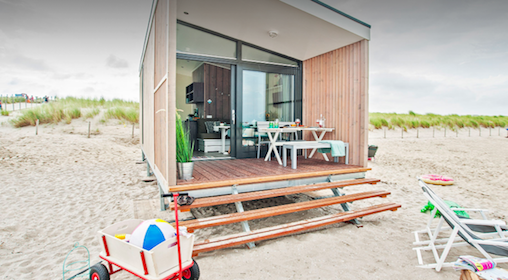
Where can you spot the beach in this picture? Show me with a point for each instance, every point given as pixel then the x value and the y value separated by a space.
pixel 60 187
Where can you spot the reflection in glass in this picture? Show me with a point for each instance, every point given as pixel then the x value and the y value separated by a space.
pixel 266 97
pixel 254 55
pixel 193 41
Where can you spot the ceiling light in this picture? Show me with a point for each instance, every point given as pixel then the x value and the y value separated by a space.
pixel 273 33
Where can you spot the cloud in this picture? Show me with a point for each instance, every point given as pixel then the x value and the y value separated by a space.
pixel 25 62
pixel 115 62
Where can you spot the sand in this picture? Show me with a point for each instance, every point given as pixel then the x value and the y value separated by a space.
pixel 60 187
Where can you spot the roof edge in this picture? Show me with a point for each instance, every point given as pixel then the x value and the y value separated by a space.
pixel 341 13
pixel 148 29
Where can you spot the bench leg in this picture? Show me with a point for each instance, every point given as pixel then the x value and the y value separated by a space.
pixel 345 206
pixel 294 157
pixel 284 156
pixel 245 224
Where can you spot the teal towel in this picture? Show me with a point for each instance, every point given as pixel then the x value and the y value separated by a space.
pixel 338 149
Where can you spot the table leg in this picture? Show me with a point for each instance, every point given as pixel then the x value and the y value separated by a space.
pixel 318 139
pixel 273 147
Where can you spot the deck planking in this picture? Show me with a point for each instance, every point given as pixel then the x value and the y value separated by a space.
pixel 209 172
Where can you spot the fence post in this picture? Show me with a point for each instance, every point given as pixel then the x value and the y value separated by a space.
pixel 445 131
pixel 37 127
pixel 457 132
pixel 89 129
pixel 480 130
pixel 402 133
pixel 417 132
pixel 433 131
pixel 384 129
pixel 132 130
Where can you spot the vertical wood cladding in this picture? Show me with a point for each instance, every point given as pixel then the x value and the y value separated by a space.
pixel 161 39
pixel 160 130
pixel 217 87
pixel 336 86
pixel 148 100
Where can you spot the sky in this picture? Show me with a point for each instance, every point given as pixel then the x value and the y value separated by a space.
pixel 432 56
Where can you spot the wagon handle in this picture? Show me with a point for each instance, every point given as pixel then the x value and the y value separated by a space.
pixel 175 196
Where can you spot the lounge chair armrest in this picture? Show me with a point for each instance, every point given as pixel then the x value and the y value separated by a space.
pixel 483 222
pixel 470 209
pixel 496 242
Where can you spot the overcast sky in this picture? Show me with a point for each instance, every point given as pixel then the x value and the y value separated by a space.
pixel 445 57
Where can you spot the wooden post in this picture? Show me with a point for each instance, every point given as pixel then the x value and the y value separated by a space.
pixel 401 133
pixel 457 132
pixel 433 131
pixel 132 130
pixel 89 129
pixel 490 131
pixel 37 127
pixel 417 132
pixel 445 131
pixel 469 132
pixel 384 128
pixel 480 130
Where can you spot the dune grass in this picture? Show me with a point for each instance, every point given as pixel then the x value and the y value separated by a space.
pixel 67 109
pixel 412 120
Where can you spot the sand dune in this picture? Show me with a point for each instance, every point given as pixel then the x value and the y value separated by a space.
pixel 60 187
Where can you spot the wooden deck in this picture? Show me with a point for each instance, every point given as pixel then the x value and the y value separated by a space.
pixel 219 173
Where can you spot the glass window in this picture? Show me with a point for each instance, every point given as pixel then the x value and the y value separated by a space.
pixel 193 41
pixel 254 55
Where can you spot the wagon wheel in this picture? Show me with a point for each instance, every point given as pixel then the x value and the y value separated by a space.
pixel 191 273
pixel 99 272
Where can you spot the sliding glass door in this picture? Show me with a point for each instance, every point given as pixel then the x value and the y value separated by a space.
pixel 267 93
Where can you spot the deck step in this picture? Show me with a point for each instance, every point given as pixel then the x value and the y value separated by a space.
pixel 291 228
pixel 293 175
pixel 277 210
pixel 225 199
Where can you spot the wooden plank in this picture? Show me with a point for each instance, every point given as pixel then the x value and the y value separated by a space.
pixel 291 228
pixel 171 93
pixel 219 94
pixel 263 179
pixel 161 41
pixel 225 199
pixel 277 210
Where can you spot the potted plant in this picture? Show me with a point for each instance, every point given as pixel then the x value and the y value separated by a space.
pixel 184 151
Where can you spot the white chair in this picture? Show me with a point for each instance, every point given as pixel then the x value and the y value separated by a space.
pixel 461 229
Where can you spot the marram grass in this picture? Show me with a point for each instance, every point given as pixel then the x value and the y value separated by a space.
pixel 67 109
pixel 412 120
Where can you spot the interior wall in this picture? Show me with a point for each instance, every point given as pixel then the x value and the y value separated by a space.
pixel 182 81
pixel 335 85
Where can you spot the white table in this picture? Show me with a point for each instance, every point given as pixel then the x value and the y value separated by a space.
pixel 273 134
pixel 223 130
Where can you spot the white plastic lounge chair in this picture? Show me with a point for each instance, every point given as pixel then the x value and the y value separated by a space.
pixel 460 229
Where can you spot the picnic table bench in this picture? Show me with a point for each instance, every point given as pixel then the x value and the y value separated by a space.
pixel 303 145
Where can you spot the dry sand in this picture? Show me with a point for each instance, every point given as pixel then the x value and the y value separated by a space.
pixel 60 187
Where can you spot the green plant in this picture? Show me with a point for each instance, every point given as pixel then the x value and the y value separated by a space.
pixel 4 112
pixel 184 148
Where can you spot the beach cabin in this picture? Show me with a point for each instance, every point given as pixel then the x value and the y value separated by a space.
pixel 240 62
pixel 234 69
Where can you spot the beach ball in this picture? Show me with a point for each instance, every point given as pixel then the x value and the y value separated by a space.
pixel 151 233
